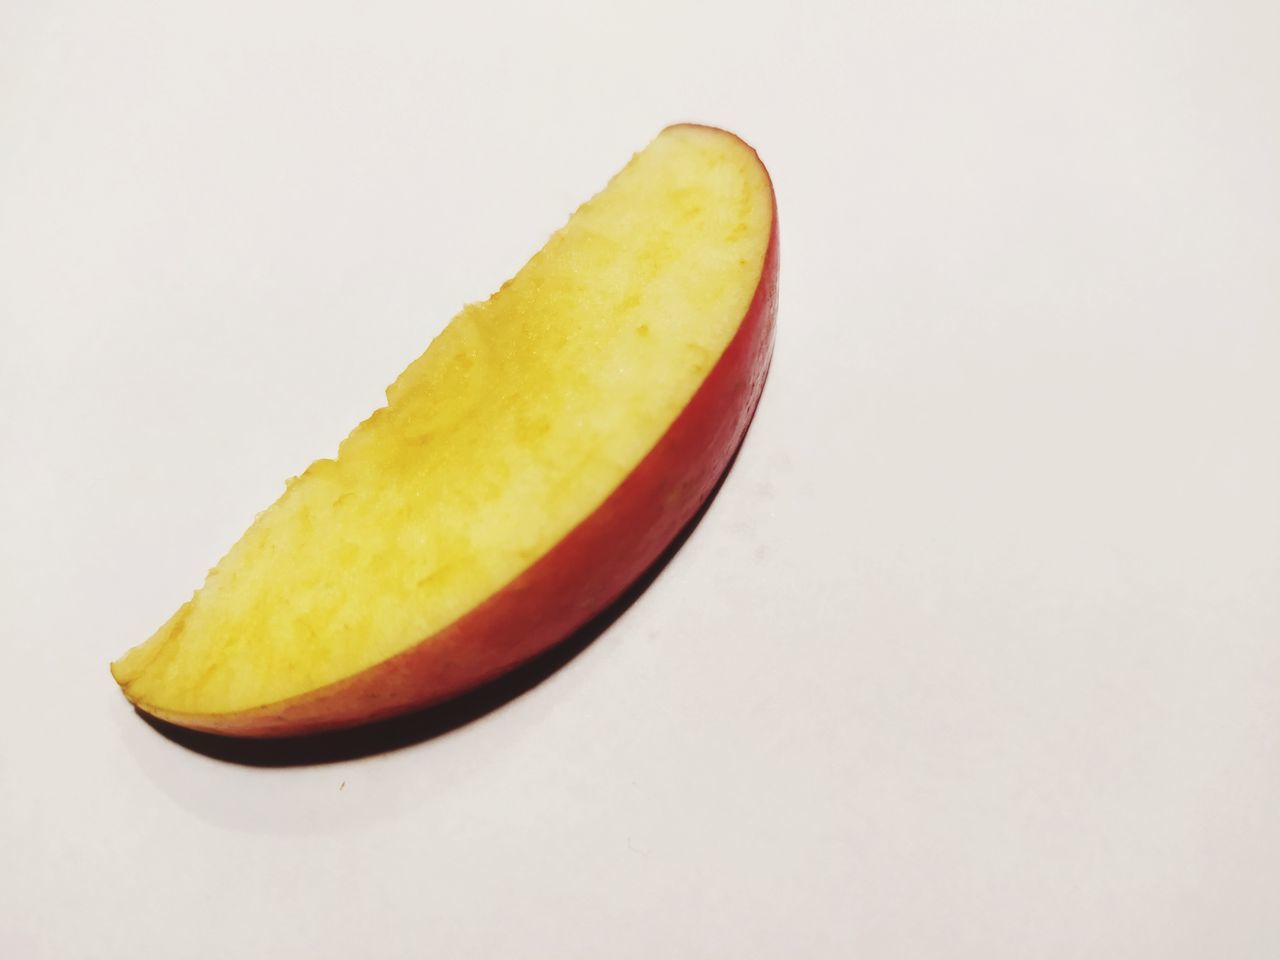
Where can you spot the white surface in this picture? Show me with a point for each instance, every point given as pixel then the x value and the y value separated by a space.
pixel 976 655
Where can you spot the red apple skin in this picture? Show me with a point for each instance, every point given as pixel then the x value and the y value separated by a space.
pixel 575 580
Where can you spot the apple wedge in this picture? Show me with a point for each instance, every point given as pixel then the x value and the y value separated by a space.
pixel 530 465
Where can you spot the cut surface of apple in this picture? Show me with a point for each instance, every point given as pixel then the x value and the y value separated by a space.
pixel 526 468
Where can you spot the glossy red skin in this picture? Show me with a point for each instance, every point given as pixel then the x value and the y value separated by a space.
pixel 578 578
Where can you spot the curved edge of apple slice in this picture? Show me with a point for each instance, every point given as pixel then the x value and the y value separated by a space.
pixel 571 583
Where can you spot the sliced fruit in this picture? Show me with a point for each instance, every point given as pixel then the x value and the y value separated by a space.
pixel 527 467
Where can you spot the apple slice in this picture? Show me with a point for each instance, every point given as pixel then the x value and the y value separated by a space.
pixel 527 467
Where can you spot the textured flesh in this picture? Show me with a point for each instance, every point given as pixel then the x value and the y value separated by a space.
pixel 517 422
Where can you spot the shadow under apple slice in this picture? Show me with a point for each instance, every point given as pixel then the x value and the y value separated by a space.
pixel 434 721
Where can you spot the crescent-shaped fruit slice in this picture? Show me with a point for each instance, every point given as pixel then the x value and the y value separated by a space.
pixel 527 467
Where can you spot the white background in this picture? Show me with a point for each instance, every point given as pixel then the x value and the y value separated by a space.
pixel 976 655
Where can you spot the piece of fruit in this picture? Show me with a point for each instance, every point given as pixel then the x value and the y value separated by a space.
pixel 527 467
